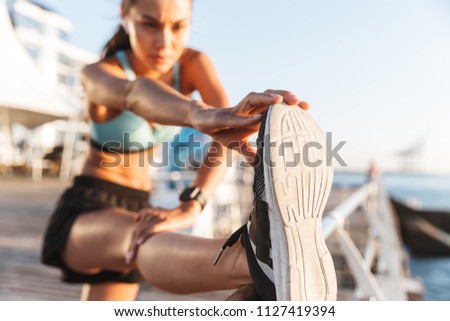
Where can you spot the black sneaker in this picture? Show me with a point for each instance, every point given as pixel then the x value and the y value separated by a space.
pixel 286 252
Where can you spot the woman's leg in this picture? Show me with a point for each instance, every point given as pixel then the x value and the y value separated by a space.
pixel 99 240
pixel 182 263
pixel 175 262
pixel 87 243
pixel 244 293
pixel 112 291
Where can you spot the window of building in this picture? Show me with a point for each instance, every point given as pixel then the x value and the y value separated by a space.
pixel 33 52
pixel 68 80
pixel 26 22
pixel 63 35
pixel 63 59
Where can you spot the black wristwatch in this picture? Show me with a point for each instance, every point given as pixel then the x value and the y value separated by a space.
pixel 193 193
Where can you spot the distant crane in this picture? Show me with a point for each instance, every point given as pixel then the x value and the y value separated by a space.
pixel 410 158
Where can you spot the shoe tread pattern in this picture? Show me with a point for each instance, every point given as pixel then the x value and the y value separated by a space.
pixel 300 192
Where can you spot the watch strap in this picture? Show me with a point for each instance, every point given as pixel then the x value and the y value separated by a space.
pixel 193 193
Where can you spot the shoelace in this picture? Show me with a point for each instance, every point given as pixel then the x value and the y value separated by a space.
pixel 231 241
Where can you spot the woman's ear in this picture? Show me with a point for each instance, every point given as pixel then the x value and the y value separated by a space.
pixel 124 24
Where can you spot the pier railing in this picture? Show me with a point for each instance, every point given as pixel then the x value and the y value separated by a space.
pixel 378 267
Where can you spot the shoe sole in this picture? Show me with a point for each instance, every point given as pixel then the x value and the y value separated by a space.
pixel 297 194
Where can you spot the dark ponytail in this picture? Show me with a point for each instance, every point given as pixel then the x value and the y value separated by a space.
pixel 120 41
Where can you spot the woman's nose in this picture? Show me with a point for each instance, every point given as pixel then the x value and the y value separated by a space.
pixel 164 39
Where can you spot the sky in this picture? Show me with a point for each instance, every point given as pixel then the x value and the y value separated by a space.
pixel 376 73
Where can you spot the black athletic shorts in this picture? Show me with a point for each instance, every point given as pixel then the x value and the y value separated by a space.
pixel 85 195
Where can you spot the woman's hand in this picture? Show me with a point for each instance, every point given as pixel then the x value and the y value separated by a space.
pixel 237 138
pixel 257 103
pixel 244 115
pixel 155 220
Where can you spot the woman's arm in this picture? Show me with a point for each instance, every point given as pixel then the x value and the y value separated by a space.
pixel 204 79
pixel 199 74
pixel 105 85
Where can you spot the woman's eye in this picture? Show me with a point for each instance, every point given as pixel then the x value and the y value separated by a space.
pixel 150 25
pixel 178 27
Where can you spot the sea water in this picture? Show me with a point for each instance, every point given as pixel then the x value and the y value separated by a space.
pixel 428 192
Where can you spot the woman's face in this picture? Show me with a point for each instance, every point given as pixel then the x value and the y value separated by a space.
pixel 158 31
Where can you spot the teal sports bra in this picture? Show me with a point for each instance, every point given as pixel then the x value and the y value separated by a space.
pixel 128 132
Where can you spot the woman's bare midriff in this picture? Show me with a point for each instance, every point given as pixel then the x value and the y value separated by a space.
pixel 128 169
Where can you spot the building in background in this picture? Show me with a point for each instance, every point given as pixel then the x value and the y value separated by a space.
pixel 44 33
pixel 40 101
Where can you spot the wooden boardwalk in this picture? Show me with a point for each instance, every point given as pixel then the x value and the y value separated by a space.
pixel 24 209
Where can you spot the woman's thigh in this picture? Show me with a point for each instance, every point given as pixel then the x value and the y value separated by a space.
pixel 99 240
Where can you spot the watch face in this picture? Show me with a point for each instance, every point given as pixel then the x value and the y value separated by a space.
pixel 193 193
pixel 189 193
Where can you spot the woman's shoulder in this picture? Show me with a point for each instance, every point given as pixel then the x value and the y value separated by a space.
pixel 198 72
pixel 110 61
pixel 192 56
pixel 196 62
pixel 109 65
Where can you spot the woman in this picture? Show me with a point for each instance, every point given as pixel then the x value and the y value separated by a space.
pixel 141 85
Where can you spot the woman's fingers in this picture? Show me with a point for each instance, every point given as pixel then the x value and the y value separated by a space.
pixel 212 121
pixel 147 219
pixel 289 97
pixel 131 254
pixel 231 120
pixel 257 103
pixel 237 139
pixel 141 214
pixel 304 105
pixel 245 114
pixel 248 151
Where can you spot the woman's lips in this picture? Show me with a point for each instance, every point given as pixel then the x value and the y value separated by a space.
pixel 161 60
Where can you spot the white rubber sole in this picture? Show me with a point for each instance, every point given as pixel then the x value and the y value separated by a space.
pixel 298 185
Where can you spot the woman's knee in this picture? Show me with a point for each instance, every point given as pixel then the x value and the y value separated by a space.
pixel 110 291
